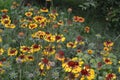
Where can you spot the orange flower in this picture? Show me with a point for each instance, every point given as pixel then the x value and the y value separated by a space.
pixel 60 56
pixel 78 19
pixel 4 10
pixel 87 29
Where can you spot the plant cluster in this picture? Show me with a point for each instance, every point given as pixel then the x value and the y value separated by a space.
pixel 45 44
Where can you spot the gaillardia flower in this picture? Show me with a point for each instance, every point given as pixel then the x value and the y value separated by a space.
pixel 110 76
pixel 44 64
pixel 73 65
pixel 43 9
pixel 1 51
pixel 12 52
pixel 28 14
pixel 107 60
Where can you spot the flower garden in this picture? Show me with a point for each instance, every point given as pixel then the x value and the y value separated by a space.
pixel 49 44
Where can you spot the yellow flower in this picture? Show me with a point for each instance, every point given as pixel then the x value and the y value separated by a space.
pixel 52 16
pixel 108 43
pixel 44 64
pixel 73 65
pixel 29 58
pixel 110 76
pixel 24 49
pixel 4 10
pixel 33 25
pixel 28 14
pixel 44 10
pixel 60 22
pixel 39 34
pixel 36 47
pixel 71 44
pixel 12 52
pixel 106 49
pixel 24 25
pixel 39 19
pixel 1 51
pixel 60 56
pixel 60 38
pixel 89 51
pixel 49 50
pixel 89 74
pixel 21 58
pixel 10 26
pixel 5 21
pixel 49 38
pixel 107 60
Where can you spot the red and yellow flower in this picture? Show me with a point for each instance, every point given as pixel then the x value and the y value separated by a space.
pixel 107 61
pixel 71 45
pixel 43 9
pixel 49 50
pixel 12 52
pixel 59 38
pixel 33 25
pixel 87 29
pixel 60 56
pixel 28 14
pixel 108 43
pixel 29 58
pixel 88 74
pixel 21 58
pixel 44 64
pixel 36 47
pixel 73 65
pixel 110 76
pixel 25 49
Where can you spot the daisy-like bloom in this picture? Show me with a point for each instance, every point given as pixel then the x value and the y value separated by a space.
pixel 106 49
pixel 49 50
pixel 5 21
pixel 107 61
pixel 108 43
pixel 1 51
pixel 71 45
pixel 59 38
pixel 4 10
pixel 2 71
pixel 52 16
pixel 49 38
pixel 90 51
pixel 44 9
pixel 5 17
pixel 21 58
pixel 73 65
pixel 87 29
pixel 44 64
pixel 78 50
pixel 28 14
pixel 78 19
pixel 60 23
pixel 36 47
pixel 39 34
pixel 12 52
pixel 88 74
pixel 33 25
pixel 24 25
pixel 29 58
pixel 12 26
pixel 24 49
pixel 39 19
pixel 110 76
pixel 1 63
pixel 60 56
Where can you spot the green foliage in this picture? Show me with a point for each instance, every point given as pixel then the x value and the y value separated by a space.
pixel 5 3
